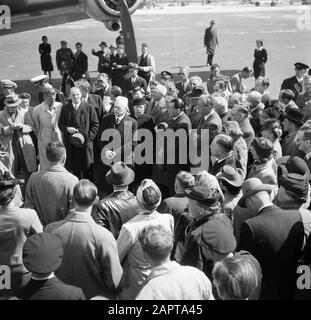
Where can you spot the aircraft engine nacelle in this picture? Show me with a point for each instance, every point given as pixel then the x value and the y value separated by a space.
pixel 108 11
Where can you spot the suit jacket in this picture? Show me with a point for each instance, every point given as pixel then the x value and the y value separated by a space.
pixel 275 239
pixel 90 259
pixel 80 65
pixel 289 147
pixel 145 122
pixel 129 86
pixel 210 40
pixel 126 135
pixel 85 118
pixel 213 123
pixel 96 101
pixel 292 84
pixel 182 122
pixel 50 289
pixel 261 57
pixel 248 132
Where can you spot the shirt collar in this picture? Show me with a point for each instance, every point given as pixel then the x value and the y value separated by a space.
pixel 45 278
pixel 178 116
pixel 120 118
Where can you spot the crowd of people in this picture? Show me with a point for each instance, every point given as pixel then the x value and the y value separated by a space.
pixel 84 228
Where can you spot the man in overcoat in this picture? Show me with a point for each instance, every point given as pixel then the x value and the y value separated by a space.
pixel 210 42
pixel 79 124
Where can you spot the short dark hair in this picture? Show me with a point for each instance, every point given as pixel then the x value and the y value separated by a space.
pixel 44 37
pixel 84 193
pixel 55 151
pixel 151 196
pixel 79 44
pixel 157 241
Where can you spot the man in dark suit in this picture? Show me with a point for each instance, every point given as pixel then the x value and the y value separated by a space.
pixel 80 66
pixel 42 256
pixel 119 68
pixel 79 124
pixel 183 86
pixel 122 129
pixel 133 81
pixel 144 121
pixel 274 237
pixel 295 83
pixel 180 124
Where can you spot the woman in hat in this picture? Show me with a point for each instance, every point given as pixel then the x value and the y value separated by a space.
pixel 271 130
pixel 45 121
pixel 45 57
pixel 16 224
pixel 15 128
pixel 209 237
pixel 135 266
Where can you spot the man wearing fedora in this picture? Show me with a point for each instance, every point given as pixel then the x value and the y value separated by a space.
pixel 210 42
pixel 295 83
pixel 7 88
pixel 90 259
pixel 16 125
pixel 117 208
pixel 230 181
pixel 275 238
pixel 103 58
pixel 293 121
pixel 42 256
pixel 79 124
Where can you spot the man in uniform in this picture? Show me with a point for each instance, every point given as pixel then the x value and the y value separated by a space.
pixel 295 83
pixel 64 61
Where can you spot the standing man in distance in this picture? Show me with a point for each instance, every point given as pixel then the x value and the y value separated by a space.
pixel 210 42
pixel 64 61
pixel 80 63
pixel 146 64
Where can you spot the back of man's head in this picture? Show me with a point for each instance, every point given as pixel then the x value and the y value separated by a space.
pixel 56 152
pixel 157 241
pixel 84 193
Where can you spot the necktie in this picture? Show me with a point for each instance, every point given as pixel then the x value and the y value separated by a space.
pixel 117 121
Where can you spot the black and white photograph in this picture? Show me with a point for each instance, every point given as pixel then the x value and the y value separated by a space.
pixel 155 154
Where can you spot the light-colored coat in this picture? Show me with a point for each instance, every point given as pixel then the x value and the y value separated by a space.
pixel 172 281
pixel 45 125
pixel 49 192
pixel 135 267
pixel 90 259
pixel 26 143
